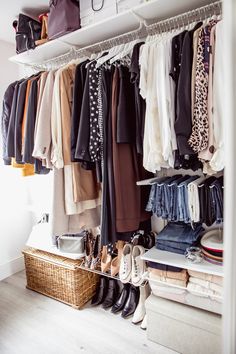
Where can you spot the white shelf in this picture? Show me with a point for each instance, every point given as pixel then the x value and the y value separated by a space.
pixel 178 260
pixel 152 11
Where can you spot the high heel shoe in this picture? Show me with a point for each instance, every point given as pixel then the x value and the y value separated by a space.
pixel 89 241
pixel 95 254
pixel 105 260
pixel 115 263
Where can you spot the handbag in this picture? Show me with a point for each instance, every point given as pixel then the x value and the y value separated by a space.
pixel 64 17
pixel 44 31
pixel 71 243
pixel 28 31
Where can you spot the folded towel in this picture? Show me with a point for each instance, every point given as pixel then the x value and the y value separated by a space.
pixel 207 285
pixel 217 288
pixel 196 289
pixel 203 283
pixel 178 282
pixel 183 275
pixel 208 277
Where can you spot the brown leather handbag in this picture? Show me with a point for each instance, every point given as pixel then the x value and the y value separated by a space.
pixel 44 31
pixel 64 17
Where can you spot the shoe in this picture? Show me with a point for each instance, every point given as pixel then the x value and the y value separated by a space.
pixel 105 260
pixel 111 294
pixel 115 263
pixel 138 265
pixel 95 253
pixel 121 301
pixel 137 238
pixel 101 292
pixel 126 264
pixel 150 240
pixel 89 241
pixel 140 311
pixel 144 323
pixel 131 303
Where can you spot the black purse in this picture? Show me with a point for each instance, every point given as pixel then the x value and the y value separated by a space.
pixel 28 31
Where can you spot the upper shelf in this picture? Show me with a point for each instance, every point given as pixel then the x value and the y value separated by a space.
pixel 178 260
pixel 152 11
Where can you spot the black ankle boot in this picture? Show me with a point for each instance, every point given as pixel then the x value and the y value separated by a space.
pixel 120 302
pixel 132 302
pixel 111 294
pixel 101 292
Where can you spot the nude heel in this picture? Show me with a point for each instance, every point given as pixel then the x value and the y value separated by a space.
pixel 105 260
pixel 115 264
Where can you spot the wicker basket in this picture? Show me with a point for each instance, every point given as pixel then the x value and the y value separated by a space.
pixel 59 278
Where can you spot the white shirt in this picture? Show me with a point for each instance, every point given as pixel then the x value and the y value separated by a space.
pixel 42 143
pixel 152 144
pixel 56 126
pixel 217 162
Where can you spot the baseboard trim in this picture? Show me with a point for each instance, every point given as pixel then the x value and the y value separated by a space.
pixel 12 267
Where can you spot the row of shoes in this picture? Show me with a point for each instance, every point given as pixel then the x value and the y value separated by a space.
pixel 129 301
pixel 108 259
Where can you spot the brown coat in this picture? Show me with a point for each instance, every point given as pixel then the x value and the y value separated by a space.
pixel 127 193
pixel 85 186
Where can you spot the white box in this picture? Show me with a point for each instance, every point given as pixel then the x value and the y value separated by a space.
pixel 124 5
pixel 183 328
pixel 88 16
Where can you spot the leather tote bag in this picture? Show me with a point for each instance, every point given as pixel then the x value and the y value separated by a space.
pixel 64 17
pixel 28 31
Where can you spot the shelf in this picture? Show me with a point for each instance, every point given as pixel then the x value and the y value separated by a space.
pixel 152 11
pixel 178 260
pixel 41 53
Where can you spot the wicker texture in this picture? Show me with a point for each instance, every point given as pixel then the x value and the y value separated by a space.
pixel 59 277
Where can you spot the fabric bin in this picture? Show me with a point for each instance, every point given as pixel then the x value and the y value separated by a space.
pixel 183 328
pixel 88 16
pixel 59 278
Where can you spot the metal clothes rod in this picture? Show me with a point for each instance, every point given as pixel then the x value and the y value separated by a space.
pixel 143 31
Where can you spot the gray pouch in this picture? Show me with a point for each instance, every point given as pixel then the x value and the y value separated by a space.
pixel 71 244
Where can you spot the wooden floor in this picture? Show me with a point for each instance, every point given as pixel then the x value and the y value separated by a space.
pixel 31 323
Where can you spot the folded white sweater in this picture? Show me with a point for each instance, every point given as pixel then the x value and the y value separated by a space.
pixel 196 289
pixel 207 284
pixel 208 277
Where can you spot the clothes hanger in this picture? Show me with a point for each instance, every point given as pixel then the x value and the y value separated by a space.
pixel 96 56
pixel 113 51
pixel 126 50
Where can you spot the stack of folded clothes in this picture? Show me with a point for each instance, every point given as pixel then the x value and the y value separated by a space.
pixel 169 277
pixel 212 246
pixel 206 284
pixel 177 237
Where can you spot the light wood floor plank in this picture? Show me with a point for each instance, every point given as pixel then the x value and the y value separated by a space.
pixel 31 323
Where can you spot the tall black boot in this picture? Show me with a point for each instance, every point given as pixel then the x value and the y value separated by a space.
pixel 132 302
pixel 101 292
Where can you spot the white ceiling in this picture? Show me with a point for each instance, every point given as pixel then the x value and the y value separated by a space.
pixel 9 11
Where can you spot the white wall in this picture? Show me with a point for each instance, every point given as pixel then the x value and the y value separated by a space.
pixel 15 219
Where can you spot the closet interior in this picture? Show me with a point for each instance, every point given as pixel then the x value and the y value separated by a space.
pixel 126 117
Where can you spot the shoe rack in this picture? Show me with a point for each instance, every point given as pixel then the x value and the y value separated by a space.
pixel 99 272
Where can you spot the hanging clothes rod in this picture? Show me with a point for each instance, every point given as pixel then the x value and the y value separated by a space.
pixel 142 32
pixel 186 18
